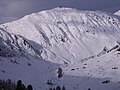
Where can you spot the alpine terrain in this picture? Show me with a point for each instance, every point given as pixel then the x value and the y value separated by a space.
pixel 63 46
pixel 117 13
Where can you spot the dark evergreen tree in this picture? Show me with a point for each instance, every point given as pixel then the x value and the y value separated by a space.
pixel 60 73
pixel 50 89
pixel 58 88
pixel 63 88
pixel 29 87
pixel 20 86
pixel 53 88
pixel 89 89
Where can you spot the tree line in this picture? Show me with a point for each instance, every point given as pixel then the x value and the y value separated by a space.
pixel 10 85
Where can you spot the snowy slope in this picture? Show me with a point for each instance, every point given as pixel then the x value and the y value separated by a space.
pixel 85 44
pixel 60 28
pixel 117 13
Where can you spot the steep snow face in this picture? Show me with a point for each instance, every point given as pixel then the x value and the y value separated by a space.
pixel 117 13
pixel 67 35
pixel 13 45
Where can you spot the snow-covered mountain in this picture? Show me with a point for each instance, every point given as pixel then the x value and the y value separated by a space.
pixel 117 13
pixel 85 44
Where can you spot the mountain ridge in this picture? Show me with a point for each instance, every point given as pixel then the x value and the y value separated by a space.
pixel 82 43
pixel 70 24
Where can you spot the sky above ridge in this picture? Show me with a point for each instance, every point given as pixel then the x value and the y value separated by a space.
pixel 14 9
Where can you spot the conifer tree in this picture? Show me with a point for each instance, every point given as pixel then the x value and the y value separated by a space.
pixel 60 72
pixel 58 88
pixel 50 89
pixel 63 88
pixel 20 86
pixel 29 87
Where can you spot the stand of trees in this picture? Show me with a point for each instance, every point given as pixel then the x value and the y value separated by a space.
pixel 9 85
pixel 58 88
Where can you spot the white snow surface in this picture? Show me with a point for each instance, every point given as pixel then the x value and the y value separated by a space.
pixel 85 44
pixel 117 13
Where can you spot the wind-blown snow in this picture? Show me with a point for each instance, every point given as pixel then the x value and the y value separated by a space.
pixel 84 43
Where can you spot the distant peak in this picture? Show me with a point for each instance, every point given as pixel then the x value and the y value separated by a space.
pixel 117 13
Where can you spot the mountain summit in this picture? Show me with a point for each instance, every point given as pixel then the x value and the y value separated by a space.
pixel 61 37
